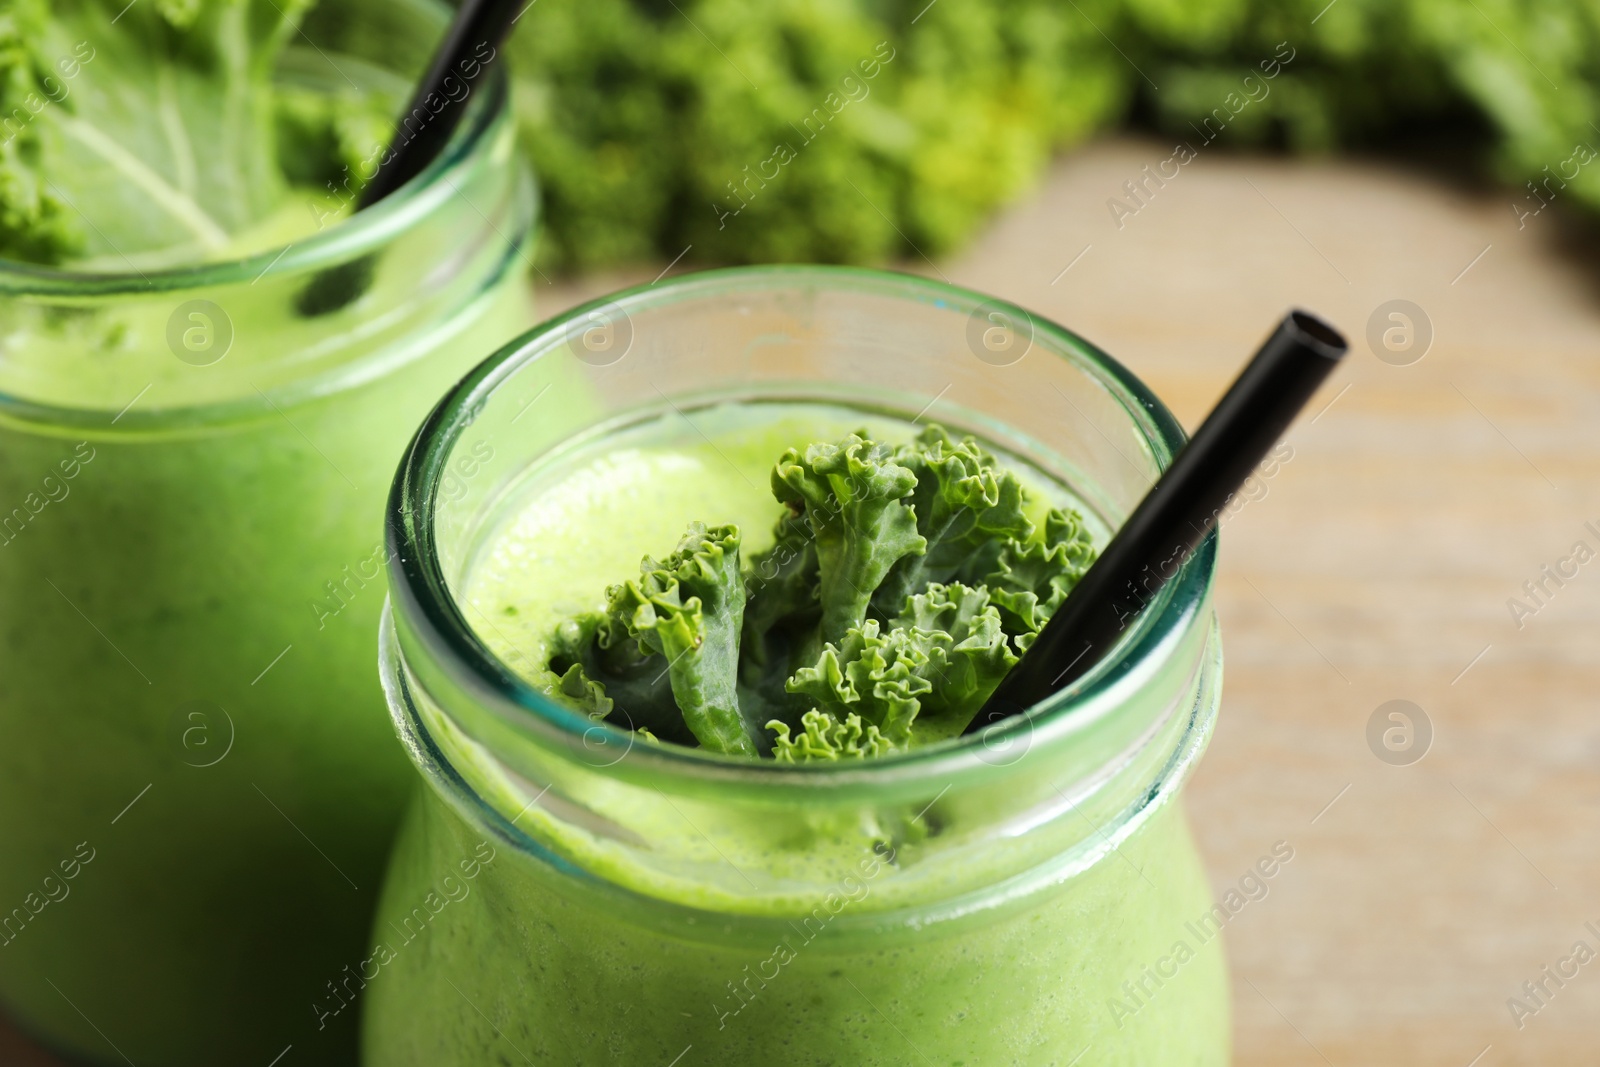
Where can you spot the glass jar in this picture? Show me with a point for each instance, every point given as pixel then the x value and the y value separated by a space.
pixel 561 894
pixel 199 787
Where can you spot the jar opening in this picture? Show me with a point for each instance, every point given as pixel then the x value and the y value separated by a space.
pixel 436 620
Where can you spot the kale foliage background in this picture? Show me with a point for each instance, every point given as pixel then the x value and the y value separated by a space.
pixel 651 121
pixel 828 130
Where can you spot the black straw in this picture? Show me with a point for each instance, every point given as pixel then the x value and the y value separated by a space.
pixel 429 121
pixel 467 53
pixel 1175 516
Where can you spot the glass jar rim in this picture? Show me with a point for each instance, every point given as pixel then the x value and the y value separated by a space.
pixel 352 236
pixel 420 591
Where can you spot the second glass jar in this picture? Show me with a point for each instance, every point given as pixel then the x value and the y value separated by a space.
pixel 198 785
pixel 562 894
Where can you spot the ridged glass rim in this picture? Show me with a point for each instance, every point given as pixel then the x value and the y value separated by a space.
pixel 422 594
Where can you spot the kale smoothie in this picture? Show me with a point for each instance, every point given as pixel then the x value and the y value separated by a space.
pixel 199 786
pixel 825 596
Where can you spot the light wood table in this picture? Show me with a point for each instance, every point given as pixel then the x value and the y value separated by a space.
pixel 1377 567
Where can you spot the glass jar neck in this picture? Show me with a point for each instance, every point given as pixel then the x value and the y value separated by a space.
pixel 964 823
pixel 983 826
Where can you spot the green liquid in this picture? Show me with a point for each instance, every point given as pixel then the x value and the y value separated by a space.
pixel 521 961
pixel 183 690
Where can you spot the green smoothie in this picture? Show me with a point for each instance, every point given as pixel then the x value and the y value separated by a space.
pixel 198 787
pixel 518 925
pixel 185 677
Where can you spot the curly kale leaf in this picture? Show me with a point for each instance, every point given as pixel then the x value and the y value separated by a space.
pixel 852 496
pixel 36 222
pixel 964 501
pixel 175 130
pixel 968 654
pixel 823 737
pixel 631 116
pixel 680 618
pixel 134 129
pixel 604 672
pixel 584 693
pixel 877 674
pixel 919 680
pixel 807 639
pixel 641 129
pixel 783 605
pixel 689 608
pixel 1029 580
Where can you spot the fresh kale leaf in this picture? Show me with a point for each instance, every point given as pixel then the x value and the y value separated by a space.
pixel 679 619
pixel 157 133
pixel 964 500
pixel 838 638
pixel 1030 579
pixel 853 498
pixel 689 609
pixel 604 672
pixel 920 679
pixel 585 694
pixel 823 737
pixel 872 673
pixel 783 607
pixel 154 132
pixel 967 653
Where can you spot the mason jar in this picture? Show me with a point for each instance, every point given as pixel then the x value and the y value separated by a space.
pixel 565 893
pixel 199 785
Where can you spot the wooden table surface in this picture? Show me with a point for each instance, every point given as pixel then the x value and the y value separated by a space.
pixel 1377 567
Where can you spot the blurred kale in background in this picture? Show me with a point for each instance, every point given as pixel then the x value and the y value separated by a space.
pixel 833 130
pixel 857 130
